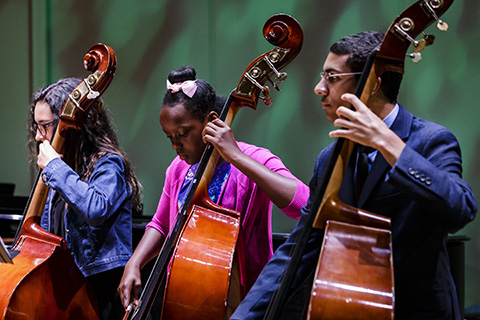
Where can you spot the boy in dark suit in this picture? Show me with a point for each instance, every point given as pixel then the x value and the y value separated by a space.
pixel 415 179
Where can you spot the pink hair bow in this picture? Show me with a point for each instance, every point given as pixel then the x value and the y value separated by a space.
pixel 188 87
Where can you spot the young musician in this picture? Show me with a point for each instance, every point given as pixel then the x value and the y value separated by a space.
pixel 93 191
pixel 415 179
pixel 247 179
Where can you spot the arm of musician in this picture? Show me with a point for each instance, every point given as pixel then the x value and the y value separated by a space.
pixel 434 155
pixel 148 248
pixel 280 189
pixel 97 198
pixel 367 128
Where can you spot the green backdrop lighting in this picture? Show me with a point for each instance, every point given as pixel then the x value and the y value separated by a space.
pixel 43 41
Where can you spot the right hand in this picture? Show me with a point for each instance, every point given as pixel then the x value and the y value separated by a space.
pixel 221 136
pixel 148 248
pixel 129 287
pixel 46 153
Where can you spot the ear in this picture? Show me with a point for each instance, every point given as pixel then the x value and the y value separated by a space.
pixel 212 116
pixel 377 86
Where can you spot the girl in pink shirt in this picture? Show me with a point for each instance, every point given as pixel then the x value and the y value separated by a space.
pixel 247 179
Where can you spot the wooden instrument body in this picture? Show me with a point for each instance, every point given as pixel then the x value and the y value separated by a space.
pixel 354 276
pixel 199 278
pixel 43 282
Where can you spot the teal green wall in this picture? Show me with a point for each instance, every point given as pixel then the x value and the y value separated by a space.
pixel 42 41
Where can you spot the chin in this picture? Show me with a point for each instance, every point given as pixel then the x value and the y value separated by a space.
pixel 331 118
pixel 189 160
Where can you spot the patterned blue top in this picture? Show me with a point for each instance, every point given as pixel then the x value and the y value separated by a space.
pixel 218 180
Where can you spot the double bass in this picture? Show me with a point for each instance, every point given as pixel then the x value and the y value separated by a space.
pixel 354 274
pixel 198 254
pixel 43 281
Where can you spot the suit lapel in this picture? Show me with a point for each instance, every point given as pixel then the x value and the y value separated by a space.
pixel 401 126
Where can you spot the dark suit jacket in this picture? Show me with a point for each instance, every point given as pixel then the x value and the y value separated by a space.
pixel 425 197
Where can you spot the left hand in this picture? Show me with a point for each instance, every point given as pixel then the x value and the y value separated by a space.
pixel 221 136
pixel 365 127
pixel 46 153
pixel 360 125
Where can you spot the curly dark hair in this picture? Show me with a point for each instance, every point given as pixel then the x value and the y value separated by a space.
pixel 82 148
pixel 201 103
pixel 359 46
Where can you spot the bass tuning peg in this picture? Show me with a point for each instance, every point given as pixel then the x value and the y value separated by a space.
pixel 266 96
pixel 441 25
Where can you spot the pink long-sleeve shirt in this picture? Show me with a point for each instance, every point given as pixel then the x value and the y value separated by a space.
pixel 254 245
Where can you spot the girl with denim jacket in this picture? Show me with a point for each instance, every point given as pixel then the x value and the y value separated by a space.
pixel 93 191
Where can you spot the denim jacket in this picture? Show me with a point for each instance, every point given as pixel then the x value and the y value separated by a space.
pixel 98 219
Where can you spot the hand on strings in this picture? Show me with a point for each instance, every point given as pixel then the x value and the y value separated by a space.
pixel 129 287
pixel 221 136
pixel 363 126
pixel 46 153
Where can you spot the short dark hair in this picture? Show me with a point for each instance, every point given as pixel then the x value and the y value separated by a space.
pixel 201 103
pixel 359 46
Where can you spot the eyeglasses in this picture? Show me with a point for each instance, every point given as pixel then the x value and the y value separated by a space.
pixel 42 127
pixel 332 77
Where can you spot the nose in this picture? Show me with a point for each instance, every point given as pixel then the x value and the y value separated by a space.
pixel 176 145
pixel 321 87
pixel 39 137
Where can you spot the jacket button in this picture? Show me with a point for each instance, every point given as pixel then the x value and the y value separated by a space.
pixel 428 181
pixel 411 171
